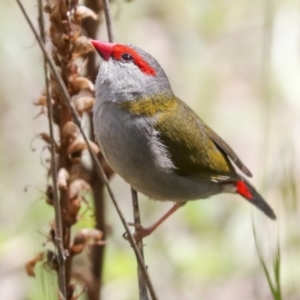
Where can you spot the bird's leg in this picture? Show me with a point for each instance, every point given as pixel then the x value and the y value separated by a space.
pixel 142 232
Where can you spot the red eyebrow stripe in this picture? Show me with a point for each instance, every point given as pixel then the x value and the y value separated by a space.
pixel 118 50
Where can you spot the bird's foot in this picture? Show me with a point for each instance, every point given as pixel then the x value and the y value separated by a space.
pixel 140 232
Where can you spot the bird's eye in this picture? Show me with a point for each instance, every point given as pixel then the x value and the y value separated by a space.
pixel 127 57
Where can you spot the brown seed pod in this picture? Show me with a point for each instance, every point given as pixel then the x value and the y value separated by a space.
pixel 78 83
pixel 76 187
pixel 30 265
pixel 76 147
pixel 62 178
pixel 72 69
pixel 86 237
pixel 74 32
pixel 83 12
pixel 47 8
pixel 84 104
pixel 82 93
pixel 57 38
pixel 81 46
pixel 70 132
pixel 42 101
pixel 77 247
pixel 71 216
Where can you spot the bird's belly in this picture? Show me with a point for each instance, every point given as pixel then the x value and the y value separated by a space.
pixel 127 148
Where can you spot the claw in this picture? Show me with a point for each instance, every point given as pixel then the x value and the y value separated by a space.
pixel 140 232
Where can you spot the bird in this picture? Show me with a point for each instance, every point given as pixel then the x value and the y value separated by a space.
pixel 155 141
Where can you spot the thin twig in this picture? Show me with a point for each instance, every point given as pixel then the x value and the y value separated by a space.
pixel 97 256
pixel 108 21
pixel 136 212
pixel 58 219
pixel 99 168
pixel 137 221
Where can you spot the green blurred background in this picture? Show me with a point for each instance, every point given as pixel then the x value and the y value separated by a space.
pixel 237 64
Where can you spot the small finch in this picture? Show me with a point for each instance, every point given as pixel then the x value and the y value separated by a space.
pixel 155 141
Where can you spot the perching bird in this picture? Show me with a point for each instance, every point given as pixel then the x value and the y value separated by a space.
pixel 155 141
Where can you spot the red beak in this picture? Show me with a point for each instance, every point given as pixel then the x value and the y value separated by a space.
pixel 104 49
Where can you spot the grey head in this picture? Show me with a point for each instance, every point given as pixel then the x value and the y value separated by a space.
pixel 128 73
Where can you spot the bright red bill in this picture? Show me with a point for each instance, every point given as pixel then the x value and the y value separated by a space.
pixel 103 48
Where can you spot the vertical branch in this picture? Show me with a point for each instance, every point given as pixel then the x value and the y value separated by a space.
pixel 63 55
pixel 108 21
pixel 58 217
pixel 137 221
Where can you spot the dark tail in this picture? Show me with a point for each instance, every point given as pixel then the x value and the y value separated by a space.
pixel 247 191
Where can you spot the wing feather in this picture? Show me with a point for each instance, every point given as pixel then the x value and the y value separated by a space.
pixel 193 150
pixel 228 150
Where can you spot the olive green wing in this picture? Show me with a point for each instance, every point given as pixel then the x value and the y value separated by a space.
pixel 228 150
pixel 195 150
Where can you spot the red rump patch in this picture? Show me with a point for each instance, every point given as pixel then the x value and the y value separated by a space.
pixel 243 190
pixel 118 50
